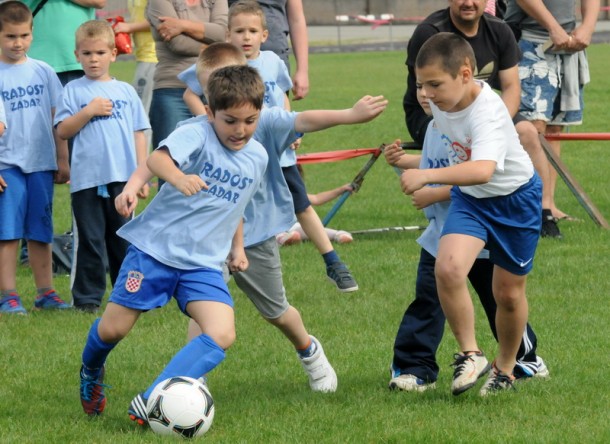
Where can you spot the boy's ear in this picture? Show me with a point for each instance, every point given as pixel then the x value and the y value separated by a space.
pixel 265 35
pixel 209 113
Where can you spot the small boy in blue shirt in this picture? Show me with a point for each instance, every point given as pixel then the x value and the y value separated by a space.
pixel 181 240
pixel 32 158
pixel 107 120
pixel 268 213
pixel 495 203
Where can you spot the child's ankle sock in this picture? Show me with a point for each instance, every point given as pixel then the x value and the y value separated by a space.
pixel 42 291
pixel 331 257
pixel 307 351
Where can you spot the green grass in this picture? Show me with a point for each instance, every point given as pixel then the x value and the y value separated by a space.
pixel 260 390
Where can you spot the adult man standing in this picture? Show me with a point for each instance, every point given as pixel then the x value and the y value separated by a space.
pixel 554 68
pixel 497 57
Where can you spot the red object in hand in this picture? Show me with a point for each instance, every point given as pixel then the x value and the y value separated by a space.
pixel 122 40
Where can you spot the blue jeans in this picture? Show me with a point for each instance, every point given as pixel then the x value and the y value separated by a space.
pixel 166 110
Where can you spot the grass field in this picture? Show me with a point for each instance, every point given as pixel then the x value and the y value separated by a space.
pixel 260 390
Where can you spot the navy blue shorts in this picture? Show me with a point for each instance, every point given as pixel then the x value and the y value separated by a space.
pixel 509 225
pixel 297 188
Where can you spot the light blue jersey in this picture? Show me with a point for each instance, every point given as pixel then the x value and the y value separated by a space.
pixel 104 149
pixel 275 76
pixel 196 231
pixel 30 91
pixel 189 78
pixel 434 155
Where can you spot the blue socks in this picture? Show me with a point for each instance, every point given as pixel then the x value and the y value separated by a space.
pixel 195 359
pixel 96 351
pixel 330 258
pixel 309 351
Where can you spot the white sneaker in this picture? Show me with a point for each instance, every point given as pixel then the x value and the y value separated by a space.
pixel 410 383
pixel 529 369
pixel 322 376
pixel 468 369
pixel 497 382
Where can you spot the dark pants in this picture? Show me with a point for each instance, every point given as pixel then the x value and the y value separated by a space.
pixel 95 224
pixel 422 326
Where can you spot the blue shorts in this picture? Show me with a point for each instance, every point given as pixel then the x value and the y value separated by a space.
pixel 297 188
pixel 144 284
pixel 509 225
pixel 541 78
pixel 26 206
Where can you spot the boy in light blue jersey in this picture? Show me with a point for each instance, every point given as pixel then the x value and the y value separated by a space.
pixel 107 121
pixel 268 213
pixel 248 30
pixel 181 240
pixel 31 159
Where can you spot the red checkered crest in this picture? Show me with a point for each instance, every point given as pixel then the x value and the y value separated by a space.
pixel 134 281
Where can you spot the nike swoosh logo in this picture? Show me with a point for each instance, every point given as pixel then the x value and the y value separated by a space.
pixel 523 264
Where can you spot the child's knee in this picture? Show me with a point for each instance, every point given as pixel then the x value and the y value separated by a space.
pixel 224 338
pixel 449 273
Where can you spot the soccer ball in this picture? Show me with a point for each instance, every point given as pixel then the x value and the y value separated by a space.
pixel 180 406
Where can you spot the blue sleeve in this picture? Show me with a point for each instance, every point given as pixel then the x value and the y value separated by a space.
pixel 189 77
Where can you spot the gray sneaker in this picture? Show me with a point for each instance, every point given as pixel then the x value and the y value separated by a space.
pixel 497 382
pixel 410 383
pixel 467 371
pixel 339 274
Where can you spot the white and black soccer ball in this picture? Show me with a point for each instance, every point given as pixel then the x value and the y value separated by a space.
pixel 180 406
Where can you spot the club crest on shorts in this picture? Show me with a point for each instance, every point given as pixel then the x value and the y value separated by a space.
pixel 134 281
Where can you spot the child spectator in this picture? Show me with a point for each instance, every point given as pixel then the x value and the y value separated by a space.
pixel 107 121
pixel 248 30
pixel 31 159
pixel 495 202
pixel 414 366
pixel 183 237
pixel 268 213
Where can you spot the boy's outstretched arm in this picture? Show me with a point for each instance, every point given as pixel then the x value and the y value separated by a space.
pixel 468 173
pixel 126 202
pixel 67 128
pixel 396 156
pixel 364 110
pixel 162 165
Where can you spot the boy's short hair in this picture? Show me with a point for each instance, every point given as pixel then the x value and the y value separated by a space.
pixel 217 55
pixel 449 50
pixel 247 7
pixel 97 30
pixel 14 12
pixel 234 86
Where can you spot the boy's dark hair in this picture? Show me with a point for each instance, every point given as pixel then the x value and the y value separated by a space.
pixel 14 12
pixel 447 49
pixel 234 86
pixel 247 7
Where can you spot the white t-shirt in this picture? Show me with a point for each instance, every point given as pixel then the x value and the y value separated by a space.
pixel 485 131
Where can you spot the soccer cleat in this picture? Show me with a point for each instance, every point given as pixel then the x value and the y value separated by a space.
pixel 339 274
pixel 496 382
pixel 322 376
pixel 468 368
pixel 50 301
pixel 11 304
pixel 527 369
pixel 410 383
pixel 92 392
pixel 549 226
pixel 137 410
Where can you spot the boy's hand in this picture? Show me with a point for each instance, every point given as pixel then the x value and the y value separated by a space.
pixel 122 27
pixel 144 192
pixel 100 106
pixel 369 107
pixel 238 261
pixel 125 203
pixel 393 153
pixel 423 198
pixel 412 180
pixel 296 144
pixel 190 184
pixel 170 27
pixel 62 175
pixel 2 185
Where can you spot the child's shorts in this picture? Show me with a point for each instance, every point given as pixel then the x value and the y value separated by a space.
pixel 144 284
pixel 541 76
pixel 297 188
pixel 262 282
pixel 509 225
pixel 26 206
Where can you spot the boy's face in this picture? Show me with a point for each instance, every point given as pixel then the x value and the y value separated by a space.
pixel 423 101
pixel 246 32
pixel 95 56
pixel 15 41
pixel 439 87
pixel 234 126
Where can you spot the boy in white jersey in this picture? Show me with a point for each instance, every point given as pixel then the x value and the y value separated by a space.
pixel 31 159
pixel 495 203
pixel 247 30
pixel 268 213
pixel 107 120
pixel 183 237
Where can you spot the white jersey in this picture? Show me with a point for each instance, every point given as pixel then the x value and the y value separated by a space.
pixel 485 131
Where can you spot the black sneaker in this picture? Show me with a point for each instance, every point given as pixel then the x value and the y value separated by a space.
pixel 339 274
pixel 87 308
pixel 549 226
